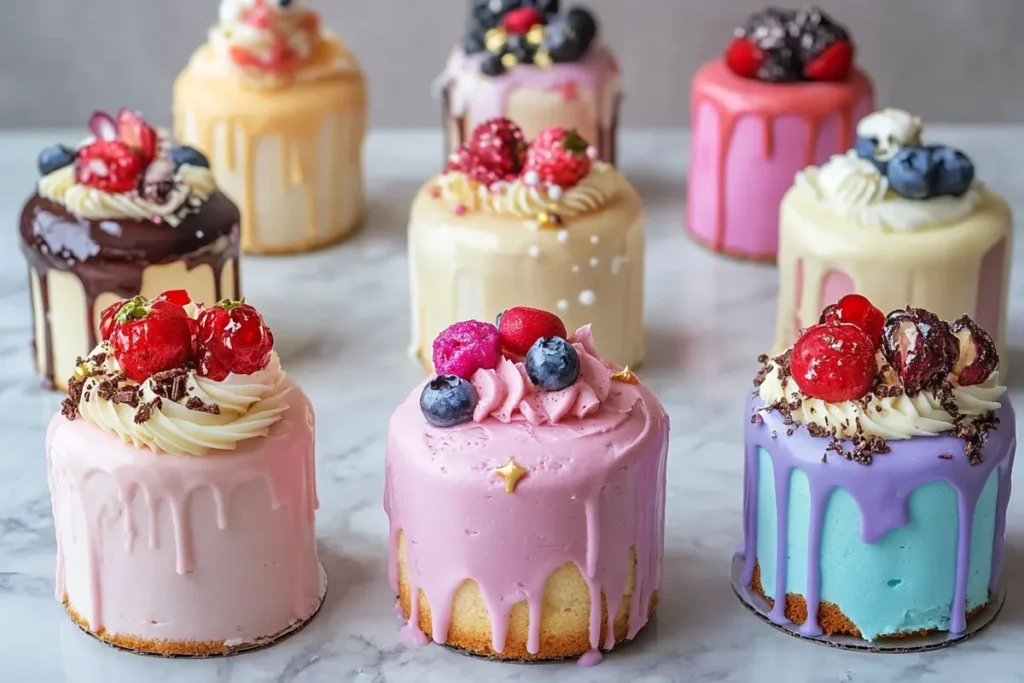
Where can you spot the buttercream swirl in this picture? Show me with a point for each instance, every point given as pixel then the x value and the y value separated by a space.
pixel 855 189
pixel 247 407
pixel 890 417
pixel 506 393
pixel 522 200
pixel 192 185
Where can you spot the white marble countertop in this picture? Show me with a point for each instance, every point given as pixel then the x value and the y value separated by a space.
pixel 341 321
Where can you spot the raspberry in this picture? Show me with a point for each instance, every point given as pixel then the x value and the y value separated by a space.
pixel 743 57
pixel 232 337
pixel 521 327
pixel 499 146
pixel 833 64
pixel 151 337
pixel 520 21
pixel 856 310
pixel 108 165
pixel 558 157
pixel 466 347
pixel 834 362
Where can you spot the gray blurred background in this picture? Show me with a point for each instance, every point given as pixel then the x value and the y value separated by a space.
pixel 946 60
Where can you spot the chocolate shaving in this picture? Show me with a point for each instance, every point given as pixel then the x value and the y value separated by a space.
pixel 197 404
pixel 171 384
pixel 69 406
pixel 974 434
pixel 945 456
pixel 98 358
pixel 128 395
pixel 145 410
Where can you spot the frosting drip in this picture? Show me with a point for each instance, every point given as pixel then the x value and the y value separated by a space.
pixel 246 407
pixel 890 417
pixel 855 189
pixel 598 189
pixel 193 185
pixel 507 394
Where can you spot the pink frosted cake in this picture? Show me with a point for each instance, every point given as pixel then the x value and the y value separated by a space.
pixel 525 486
pixel 786 95
pixel 182 481
pixel 527 61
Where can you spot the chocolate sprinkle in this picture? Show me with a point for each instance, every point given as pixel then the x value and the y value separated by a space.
pixel 945 456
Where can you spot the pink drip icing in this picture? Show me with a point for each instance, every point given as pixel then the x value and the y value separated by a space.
pixel 590 658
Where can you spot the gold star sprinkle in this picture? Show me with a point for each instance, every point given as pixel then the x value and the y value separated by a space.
pixel 511 473
pixel 508 60
pixel 535 36
pixel 542 59
pixel 495 39
pixel 626 376
pixel 81 370
pixel 548 219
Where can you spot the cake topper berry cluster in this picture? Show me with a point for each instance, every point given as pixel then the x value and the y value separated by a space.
pixel 532 32
pixel 273 37
pixel 891 140
pixel 525 362
pixel 783 45
pixel 159 341
pixel 125 156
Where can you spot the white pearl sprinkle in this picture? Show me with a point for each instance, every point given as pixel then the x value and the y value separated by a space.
pixel 562 305
pixel 555 192
pixel 199 234
pixel 594 262
pixel 534 250
pixel 588 298
pixel 563 235
pixel 496 6
pixel 531 178
pixel 594 239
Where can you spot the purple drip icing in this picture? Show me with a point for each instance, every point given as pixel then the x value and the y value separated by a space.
pixel 881 490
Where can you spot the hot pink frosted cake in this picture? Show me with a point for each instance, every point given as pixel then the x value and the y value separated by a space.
pixel 530 62
pixel 182 480
pixel 785 95
pixel 525 486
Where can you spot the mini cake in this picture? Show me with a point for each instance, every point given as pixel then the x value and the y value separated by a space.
pixel 542 226
pixel 786 95
pixel 182 480
pixel 878 467
pixel 897 221
pixel 279 106
pixel 527 61
pixel 525 486
pixel 128 212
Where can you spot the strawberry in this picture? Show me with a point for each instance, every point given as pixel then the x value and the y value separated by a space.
pixel 107 319
pixel 558 157
pixel 834 362
pixel 500 146
pixel 232 337
pixel 520 21
pixel 133 130
pixel 743 57
pixel 520 327
pixel 833 64
pixel 856 310
pixel 150 337
pixel 108 165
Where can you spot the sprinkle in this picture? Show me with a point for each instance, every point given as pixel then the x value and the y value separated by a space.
pixel 562 305
pixel 555 192
pixel 531 178
pixel 199 234
pixel 594 262
pixel 626 376
pixel 592 153
pixel 587 297
pixel 534 250
pixel 594 239
pixel 435 192
pixel 511 473
pixel 563 235
pixel 460 210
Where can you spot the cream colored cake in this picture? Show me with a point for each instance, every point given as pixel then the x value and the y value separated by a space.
pixel 845 229
pixel 279 106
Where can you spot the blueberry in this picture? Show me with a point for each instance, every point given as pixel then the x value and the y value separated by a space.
pixel 552 363
pixel 54 158
pixel 188 155
pixel 911 173
pixel 954 171
pixel 448 400
pixel 866 148
pixel 492 66
pixel 472 44
pixel 569 35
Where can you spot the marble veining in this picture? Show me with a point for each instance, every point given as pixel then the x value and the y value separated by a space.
pixel 341 321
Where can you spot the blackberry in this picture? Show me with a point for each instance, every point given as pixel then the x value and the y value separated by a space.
pixel 815 31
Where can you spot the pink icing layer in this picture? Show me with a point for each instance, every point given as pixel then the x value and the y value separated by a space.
pixel 594 488
pixel 749 141
pixel 218 548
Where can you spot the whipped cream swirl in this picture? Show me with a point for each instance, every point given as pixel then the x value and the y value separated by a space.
pixel 507 394
pixel 521 200
pixel 890 417
pixel 192 185
pixel 855 189
pixel 225 412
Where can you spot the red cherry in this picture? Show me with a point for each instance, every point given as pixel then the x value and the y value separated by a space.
pixel 834 362
pixel 856 310
pixel 520 21
pixel 107 320
pixel 520 327
pixel 176 296
pixel 150 337
pixel 232 337
pixel 744 57
pixel 833 64
pixel 108 165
